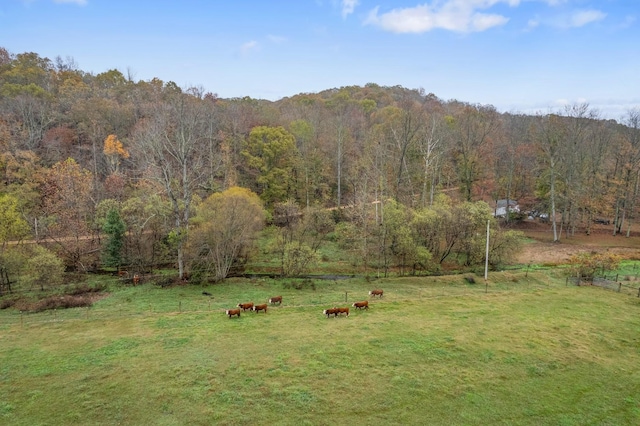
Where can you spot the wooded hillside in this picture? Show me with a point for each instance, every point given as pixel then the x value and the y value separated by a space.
pixel 76 146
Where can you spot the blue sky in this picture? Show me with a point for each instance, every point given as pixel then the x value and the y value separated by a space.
pixel 518 55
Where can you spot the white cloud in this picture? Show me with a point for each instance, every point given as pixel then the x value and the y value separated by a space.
pixel 276 38
pixel 452 15
pixel 576 19
pixel 481 21
pixel 248 46
pixel 348 6
pixel 584 17
pixel 555 2
pixel 570 19
pixel 563 102
pixel 78 2
pixel 533 23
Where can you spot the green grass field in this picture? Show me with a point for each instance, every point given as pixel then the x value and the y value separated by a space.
pixel 436 351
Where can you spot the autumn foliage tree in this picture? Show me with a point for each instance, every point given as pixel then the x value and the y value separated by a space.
pixel 224 231
pixel 115 151
pixel 69 209
pixel 587 265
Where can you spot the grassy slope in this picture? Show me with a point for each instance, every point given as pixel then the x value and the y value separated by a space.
pixel 432 351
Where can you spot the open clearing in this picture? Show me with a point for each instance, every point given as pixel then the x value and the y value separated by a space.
pixel 542 250
pixel 433 350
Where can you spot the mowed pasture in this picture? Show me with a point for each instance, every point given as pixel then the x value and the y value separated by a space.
pixel 434 350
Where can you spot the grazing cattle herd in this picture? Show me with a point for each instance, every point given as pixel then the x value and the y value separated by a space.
pixel 335 311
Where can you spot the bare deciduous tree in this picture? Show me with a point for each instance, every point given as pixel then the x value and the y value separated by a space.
pixel 175 143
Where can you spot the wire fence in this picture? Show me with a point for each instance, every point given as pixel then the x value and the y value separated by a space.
pixel 609 282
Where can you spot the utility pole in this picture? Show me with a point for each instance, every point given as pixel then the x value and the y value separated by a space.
pixel 486 256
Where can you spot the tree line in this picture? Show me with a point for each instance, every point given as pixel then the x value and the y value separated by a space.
pixel 142 172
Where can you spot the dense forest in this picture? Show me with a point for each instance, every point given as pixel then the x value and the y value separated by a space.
pixel 105 171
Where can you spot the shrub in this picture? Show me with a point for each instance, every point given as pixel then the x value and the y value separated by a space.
pixel 43 269
pixel 61 302
pixel 7 303
pixel 165 282
pixel 298 259
pixel 84 288
pixel 588 265
pixel 300 284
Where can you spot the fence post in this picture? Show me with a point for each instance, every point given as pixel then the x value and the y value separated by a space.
pixel 619 287
pixel 180 306
pixel 345 296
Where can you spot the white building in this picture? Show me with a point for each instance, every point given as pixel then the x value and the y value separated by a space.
pixel 504 206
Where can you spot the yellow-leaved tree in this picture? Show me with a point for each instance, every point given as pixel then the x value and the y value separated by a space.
pixel 115 151
pixel 225 229
pixel 12 225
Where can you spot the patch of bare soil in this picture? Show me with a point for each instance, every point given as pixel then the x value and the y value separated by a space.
pixel 544 250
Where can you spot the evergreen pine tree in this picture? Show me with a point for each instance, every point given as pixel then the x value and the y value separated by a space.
pixel 115 228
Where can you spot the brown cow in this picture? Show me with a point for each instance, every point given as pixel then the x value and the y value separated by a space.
pixel 233 312
pixel 376 293
pixel 136 279
pixel 344 310
pixel 330 311
pixel 276 299
pixel 361 305
pixel 245 306
pixel 258 308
